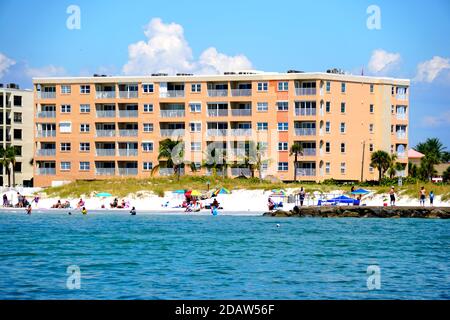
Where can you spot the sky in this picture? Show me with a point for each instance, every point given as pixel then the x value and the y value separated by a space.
pixel 405 39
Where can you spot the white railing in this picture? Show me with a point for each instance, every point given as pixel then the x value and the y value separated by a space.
pixel 46 171
pixel 128 171
pixel 240 132
pixel 218 93
pixel 128 133
pixel 241 112
pixel 401 135
pixel 46 114
pixel 401 155
pixel 128 113
pixel 172 113
pixel 48 95
pixel 237 152
pixel 217 112
pixel 401 116
pixel 46 133
pixel 105 152
pixel 172 132
pixel 305 91
pixel 105 171
pixel 128 152
pixel 128 94
pixel 306 172
pixel 241 92
pixel 106 113
pixel 309 151
pixel 305 131
pixel 240 172
pixel 105 94
pixel 105 133
pixel 216 132
pixel 402 96
pixel 172 94
pixel 305 112
pixel 45 152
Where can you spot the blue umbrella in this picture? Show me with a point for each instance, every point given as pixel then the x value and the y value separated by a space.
pixel 179 191
pixel 360 191
pixel 103 194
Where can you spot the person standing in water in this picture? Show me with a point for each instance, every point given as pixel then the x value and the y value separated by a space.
pixel 133 211
pixel 422 196
pixel 28 209
pixel 84 211
pixel 392 196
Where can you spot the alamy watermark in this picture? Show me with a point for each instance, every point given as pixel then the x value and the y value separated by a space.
pixel 74 279
pixel 373 21
pixel 73 21
pixel 373 277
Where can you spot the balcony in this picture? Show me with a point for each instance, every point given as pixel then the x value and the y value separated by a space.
pixel 128 94
pixel 240 172
pixel 217 93
pixel 216 132
pixel 105 95
pixel 401 96
pixel 401 135
pixel 105 171
pixel 128 171
pixel 241 132
pixel 172 113
pixel 401 155
pixel 106 113
pixel 241 92
pixel 128 133
pixel 46 133
pixel 128 113
pixel 305 91
pixel 401 116
pixel 46 114
pixel 48 95
pixel 45 152
pixel 306 172
pixel 128 152
pixel 305 112
pixel 105 133
pixel 309 151
pixel 172 94
pixel 305 131
pixel 172 132
pixel 241 112
pixel 105 152
pixel 169 171
pixel 217 112
pixel 46 171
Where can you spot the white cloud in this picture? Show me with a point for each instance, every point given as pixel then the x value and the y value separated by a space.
pixel 167 50
pixel 429 70
pixel 46 71
pixel 436 121
pixel 382 61
pixel 5 63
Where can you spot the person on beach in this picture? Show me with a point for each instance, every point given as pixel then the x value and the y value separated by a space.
pixel 302 196
pixel 392 196
pixel 133 211
pixel 114 203
pixel 84 211
pixel 422 196
pixel 270 204
pixel 80 204
pixel 36 200
pixel 431 197
pixel 28 209
pixel 5 200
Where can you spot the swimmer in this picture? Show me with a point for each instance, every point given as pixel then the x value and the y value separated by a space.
pixel 133 211
pixel 28 210
pixel 278 225
pixel 84 211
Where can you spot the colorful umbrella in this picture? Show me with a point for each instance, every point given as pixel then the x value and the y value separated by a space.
pixel 221 191
pixel 103 194
pixel 195 193
pixel 360 191
pixel 179 191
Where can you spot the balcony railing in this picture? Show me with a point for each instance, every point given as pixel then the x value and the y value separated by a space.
pixel 216 132
pixel 305 91
pixel 305 112
pixel 128 152
pixel 306 172
pixel 46 133
pixel 402 96
pixel 240 172
pixel 46 114
pixel 128 113
pixel 48 95
pixel 209 172
pixel 128 133
pixel 241 112
pixel 105 94
pixel 217 112
pixel 128 171
pixel 401 155
pixel 46 171
pixel 172 132
pixel 45 152
pixel 309 151
pixel 128 94
pixel 169 171
pixel 105 152
pixel 305 131
pixel 401 116
pixel 241 132
pixel 241 92
pixel 105 171
pixel 401 135
pixel 105 133
pixel 106 114
pixel 218 93
pixel 172 113
pixel 172 94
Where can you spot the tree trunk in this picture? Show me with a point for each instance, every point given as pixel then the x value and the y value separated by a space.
pixel 380 172
pixel 9 177
pixel 295 168
pixel 13 175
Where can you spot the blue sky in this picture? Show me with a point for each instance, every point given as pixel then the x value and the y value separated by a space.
pixel 264 35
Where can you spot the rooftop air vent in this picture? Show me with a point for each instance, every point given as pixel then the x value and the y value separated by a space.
pixel 336 71
pixel 229 72
pixel 12 86
pixel 295 71
pixel 184 74
pixel 160 74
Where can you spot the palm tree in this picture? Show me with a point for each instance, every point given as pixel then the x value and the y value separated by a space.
pixel 413 170
pixel 380 159
pixel 433 147
pixel 296 150
pixel 172 153
pixel 11 154
pixel 216 159
pixel 5 161
pixel 254 158
pixel 393 166
pixel 427 164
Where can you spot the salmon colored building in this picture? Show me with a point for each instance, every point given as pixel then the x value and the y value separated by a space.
pixel 103 127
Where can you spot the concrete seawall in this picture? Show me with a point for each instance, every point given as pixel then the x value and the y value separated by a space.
pixel 364 212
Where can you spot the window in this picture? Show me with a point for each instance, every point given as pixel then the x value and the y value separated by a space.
pixel 17 101
pixel 342 167
pixel 327 107
pixel 148 107
pixel 327 147
pixel 262 126
pixel 85 108
pixel 371 88
pixel 392 109
pixel 371 147
pixel 283 86
pixel 370 169
pixel 147 146
pixel 392 90
pixel 65 127
pixel 85 89
pixel 262 86
pixel 65 166
pixel 262 106
pixel 148 166
pixel 282 166
pixel 18 167
pixel 148 127
pixel 147 88
pixel 342 127
pixel 65 146
pixel 66 89
pixel 283 126
pixel 85 146
pixel 371 128
pixel 17 134
pixel 327 167
pixel 18 150
pixel 197 165
pixel 195 107
pixel 84 127
pixel 392 129
pixel 17 117
pixel 342 147
pixel 328 86
pixel 342 107
pixel 371 108
pixel 196 146
pixel 85 165
pixel 282 146
pixel 282 106
pixel 195 126
pixel 66 108
pixel 196 87
pixel 343 87
pixel 327 127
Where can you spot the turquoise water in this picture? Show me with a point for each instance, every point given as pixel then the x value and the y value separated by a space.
pixel 223 257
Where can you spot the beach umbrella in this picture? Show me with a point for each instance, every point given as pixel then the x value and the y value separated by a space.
pixel 360 191
pixel 181 191
pixel 342 199
pixel 221 191
pixel 103 194
pixel 278 191
pixel 195 193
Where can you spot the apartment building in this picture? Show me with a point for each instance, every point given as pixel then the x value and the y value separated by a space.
pixel 16 129
pixel 102 127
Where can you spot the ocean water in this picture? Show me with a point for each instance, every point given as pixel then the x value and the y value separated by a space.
pixel 224 257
